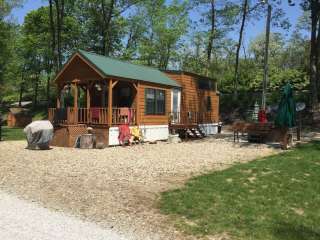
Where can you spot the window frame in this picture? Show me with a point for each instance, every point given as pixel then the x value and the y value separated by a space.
pixel 156 98
pixel 207 84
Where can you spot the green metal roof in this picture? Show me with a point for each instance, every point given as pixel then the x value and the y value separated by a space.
pixel 113 67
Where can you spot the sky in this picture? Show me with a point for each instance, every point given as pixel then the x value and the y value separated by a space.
pixel 253 29
pixel 28 6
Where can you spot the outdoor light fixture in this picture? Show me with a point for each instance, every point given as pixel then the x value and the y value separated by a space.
pixel 98 87
pixel 67 88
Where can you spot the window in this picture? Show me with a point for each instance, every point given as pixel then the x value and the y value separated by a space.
pixel 206 84
pixel 155 101
pixel 209 108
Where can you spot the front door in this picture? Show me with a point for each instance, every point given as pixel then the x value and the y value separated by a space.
pixel 175 105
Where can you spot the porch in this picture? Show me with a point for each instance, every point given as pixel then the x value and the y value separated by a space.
pixel 104 102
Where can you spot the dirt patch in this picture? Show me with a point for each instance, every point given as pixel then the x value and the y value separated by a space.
pixel 252 179
pixel 298 211
pixel 116 187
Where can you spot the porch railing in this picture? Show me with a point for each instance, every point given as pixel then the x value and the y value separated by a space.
pixel 93 115
pixel 123 115
pixel 190 117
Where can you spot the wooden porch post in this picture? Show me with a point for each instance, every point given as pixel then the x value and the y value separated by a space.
pixel 110 103
pixel 59 97
pixel 75 102
pixel 137 103
pixel 88 102
pixel 75 97
pixel 103 99
pixel 88 96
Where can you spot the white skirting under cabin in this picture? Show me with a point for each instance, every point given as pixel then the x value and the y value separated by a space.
pixel 149 132
pixel 209 128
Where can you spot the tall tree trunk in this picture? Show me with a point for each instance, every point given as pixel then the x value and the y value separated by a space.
pixel 150 55
pixel 107 17
pixel 164 57
pixel 318 52
pixel 60 16
pixel 20 94
pixel 103 31
pixel 53 36
pixel 314 58
pixel 131 42
pixel 58 33
pixel 266 59
pixel 244 53
pixel 211 36
pixel 35 96
pixel 48 89
pixel 109 34
pixel 236 71
pixel 167 57
pixel 21 87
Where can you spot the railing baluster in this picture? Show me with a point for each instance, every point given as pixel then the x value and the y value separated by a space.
pixel 84 116
pixel 190 117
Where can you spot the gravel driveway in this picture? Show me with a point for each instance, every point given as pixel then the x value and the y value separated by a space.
pixel 22 220
pixel 116 187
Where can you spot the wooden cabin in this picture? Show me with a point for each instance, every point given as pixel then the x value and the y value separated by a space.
pixel 18 117
pixel 195 103
pixel 103 92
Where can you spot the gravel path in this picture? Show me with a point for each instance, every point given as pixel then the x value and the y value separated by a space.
pixel 116 187
pixel 22 220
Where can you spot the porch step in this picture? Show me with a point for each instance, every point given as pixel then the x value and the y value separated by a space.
pixel 198 132
pixel 190 133
pixel 194 133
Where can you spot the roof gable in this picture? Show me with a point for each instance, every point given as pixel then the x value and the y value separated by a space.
pixel 77 67
pixel 116 68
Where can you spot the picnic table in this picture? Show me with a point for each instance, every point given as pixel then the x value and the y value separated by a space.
pixel 263 132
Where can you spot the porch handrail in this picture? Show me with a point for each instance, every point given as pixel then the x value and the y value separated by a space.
pixel 124 115
pixel 94 115
pixel 190 117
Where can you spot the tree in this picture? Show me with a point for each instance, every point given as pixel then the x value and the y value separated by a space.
pixel 134 30
pixel 192 57
pixel 8 32
pixel 166 24
pixel 211 32
pixel 287 62
pixel 244 11
pixel 6 6
pixel 35 32
pixel 53 36
pixel 37 52
pixel 103 23
pixel 314 6
pixel 266 57
pixel 60 10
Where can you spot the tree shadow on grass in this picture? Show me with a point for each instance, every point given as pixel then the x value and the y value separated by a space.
pixel 290 231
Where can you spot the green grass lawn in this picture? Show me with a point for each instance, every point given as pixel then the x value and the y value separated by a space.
pixel 12 134
pixel 39 114
pixel 277 197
